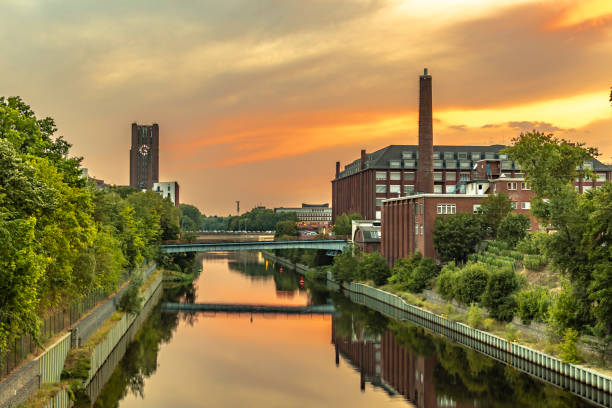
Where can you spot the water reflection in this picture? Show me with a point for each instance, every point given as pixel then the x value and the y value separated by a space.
pixel 430 371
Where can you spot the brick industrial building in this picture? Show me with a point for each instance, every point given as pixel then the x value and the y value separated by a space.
pixel 144 156
pixel 408 186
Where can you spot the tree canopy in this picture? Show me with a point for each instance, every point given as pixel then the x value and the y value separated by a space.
pixel 456 236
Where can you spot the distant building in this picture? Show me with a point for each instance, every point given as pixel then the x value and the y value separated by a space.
pixel 168 189
pixel 144 156
pixel 100 184
pixel 310 214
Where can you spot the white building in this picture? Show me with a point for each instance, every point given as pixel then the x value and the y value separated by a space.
pixel 168 189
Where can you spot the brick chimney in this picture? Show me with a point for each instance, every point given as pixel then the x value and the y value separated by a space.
pixel 425 164
pixel 363 159
pixel 337 169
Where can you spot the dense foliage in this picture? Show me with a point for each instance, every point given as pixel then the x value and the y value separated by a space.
pixel 513 228
pixel 414 273
pixel 344 224
pixel 61 237
pixel 581 247
pixel 456 236
pixel 258 219
pixel 494 208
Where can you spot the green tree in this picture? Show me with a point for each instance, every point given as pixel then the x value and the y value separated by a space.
pixel 191 218
pixel 499 294
pixel 513 228
pixel 345 266
pixel 447 279
pixel 471 283
pixel 286 228
pixel 457 236
pixel 494 209
pixel 374 267
pixel 344 225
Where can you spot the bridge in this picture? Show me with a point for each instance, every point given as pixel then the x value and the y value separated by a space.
pixel 331 245
pixel 246 308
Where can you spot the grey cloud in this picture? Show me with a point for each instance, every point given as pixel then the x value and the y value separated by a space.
pixel 527 126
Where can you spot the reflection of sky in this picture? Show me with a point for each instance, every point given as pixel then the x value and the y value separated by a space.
pixel 218 284
pixel 229 361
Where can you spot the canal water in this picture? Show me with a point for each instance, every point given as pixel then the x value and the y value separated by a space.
pixel 358 358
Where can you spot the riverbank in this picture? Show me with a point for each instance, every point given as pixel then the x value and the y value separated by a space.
pixel 39 380
pixel 587 382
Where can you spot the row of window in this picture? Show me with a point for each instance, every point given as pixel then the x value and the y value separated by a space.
pixel 409 189
pixel 458 155
pixel 410 176
pixel 513 185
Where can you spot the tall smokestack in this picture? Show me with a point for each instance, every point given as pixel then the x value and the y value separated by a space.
pixel 363 158
pixel 425 182
pixel 337 169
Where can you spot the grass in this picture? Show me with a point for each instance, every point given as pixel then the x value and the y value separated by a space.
pixel 45 393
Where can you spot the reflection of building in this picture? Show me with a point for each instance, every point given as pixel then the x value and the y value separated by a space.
pixel 396 369
pixel 168 189
pixel 310 214
pixel 144 156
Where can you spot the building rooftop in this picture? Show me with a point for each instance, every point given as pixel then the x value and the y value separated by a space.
pixel 445 158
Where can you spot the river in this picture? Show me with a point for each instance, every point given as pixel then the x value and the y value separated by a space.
pixel 358 358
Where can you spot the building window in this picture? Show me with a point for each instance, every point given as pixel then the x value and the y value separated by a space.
pixel 408 189
pixel 438 164
pixel 513 205
pixel 395 164
pixel 489 155
pixel 451 164
pixel 525 205
pixel 421 229
pixel 381 175
pixel 437 189
pixel 464 177
pixel 475 156
pixel 381 188
pixel 436 155
pixel 409 176
pixel 407 155
pixel 451 176
pixel 462 155
pixel 506 165
pixel 477 209
pixel 437 176
pixel 449 155
pixel 512 185
pixel 409 164
pixel 378 215
pixel 379 202
pixel 465 164
pixel 446 208
pixel 416 229
pixel 587 165
pixel 395 188
pixel 525 186
pixel 395 175
pixel 601 177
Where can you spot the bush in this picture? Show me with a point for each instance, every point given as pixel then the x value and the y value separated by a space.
pixel 569 347
pixel 511 332
pixel 534 262
pixel 374 267
pixel 499 294
pixel 513 228
pixel 414 273
pixel 471 283
pixel 345 266
pixel 533 244
pixel 488 323
pixel 533 304
pixel 456 236
pixel 286 228
pixel 447 281
pixel 131 301
pixel 474 316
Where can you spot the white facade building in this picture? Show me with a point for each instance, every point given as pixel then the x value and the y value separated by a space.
pixel 168 189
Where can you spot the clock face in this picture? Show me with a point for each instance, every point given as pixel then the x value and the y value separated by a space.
pixel 143 150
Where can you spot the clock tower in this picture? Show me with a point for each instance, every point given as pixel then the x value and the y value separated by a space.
pixel 144 156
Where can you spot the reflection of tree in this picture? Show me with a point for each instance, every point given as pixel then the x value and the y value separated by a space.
pixel 351 318
pixel 140 360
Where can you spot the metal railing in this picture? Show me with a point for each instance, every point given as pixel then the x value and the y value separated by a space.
pixel 22 347
pixel 579 380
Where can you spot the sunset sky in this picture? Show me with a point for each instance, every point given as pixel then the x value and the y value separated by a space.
pixel 256 100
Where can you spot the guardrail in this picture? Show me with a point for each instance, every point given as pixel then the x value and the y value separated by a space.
pixel 587 383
